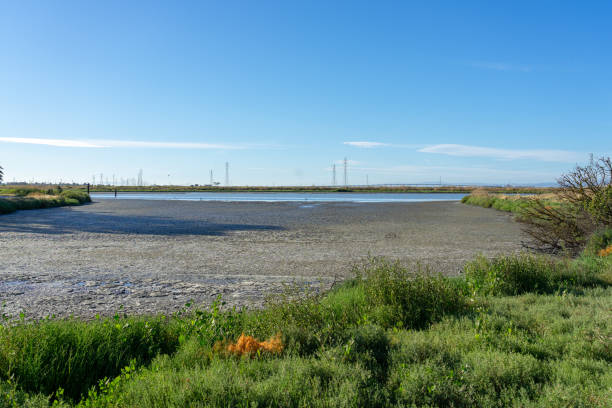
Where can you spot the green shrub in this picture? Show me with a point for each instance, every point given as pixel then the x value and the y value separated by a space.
pixel 7 206
pixel 523 273
pixel 509 275
pixel 598 241
pixel 26 202
pixel 81 196
pixel 400 298
pixel 485 201
pixel 369 345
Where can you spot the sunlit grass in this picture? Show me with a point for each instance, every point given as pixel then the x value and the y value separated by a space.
pixel 36 199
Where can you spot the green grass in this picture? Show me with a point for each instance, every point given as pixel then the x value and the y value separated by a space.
pixel 524 273
pixel 515 331
pixel 499 203
pixel 32 200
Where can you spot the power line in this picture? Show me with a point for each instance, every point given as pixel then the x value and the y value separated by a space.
pixel 334 175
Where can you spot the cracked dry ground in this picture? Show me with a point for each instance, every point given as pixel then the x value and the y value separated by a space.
pixel 154 256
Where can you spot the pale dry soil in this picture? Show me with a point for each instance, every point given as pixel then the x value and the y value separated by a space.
pixel 145 257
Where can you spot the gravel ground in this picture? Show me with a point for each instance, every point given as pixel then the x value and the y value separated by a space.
pixel 154 256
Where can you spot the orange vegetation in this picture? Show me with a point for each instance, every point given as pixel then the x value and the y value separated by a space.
pixel 606 251
pixel 250 345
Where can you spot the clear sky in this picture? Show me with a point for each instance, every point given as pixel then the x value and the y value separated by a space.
pixel 411 92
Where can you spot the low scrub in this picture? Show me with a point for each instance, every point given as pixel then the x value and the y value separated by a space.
pixel 598 242
pixel 524 273
pixel 516 204
pixel 33 200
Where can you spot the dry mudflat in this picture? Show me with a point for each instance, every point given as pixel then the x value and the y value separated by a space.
pixel 145 257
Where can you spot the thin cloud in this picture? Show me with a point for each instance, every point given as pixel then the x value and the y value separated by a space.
pixel 500 66
pixel 454 174
pixel 349 162
pixel 98 144
pixel 49 142
pixel 370 145
pixel 563 156
pixel 366 145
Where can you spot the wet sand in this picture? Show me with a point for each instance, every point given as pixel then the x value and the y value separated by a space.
pixel 154 256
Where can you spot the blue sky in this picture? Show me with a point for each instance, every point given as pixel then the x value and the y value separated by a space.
pixel 470 92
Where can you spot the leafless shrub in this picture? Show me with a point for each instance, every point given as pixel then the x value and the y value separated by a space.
pixel 584 205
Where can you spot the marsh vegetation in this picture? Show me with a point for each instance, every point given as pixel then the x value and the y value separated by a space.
pixel 31 199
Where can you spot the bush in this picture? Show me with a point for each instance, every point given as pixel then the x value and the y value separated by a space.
pixel 33 200
pixel 399 298
pixel 523 273
pixel 509 275
pixel 81 196
pixel 586 206
pixel 7 206
pixel 384 294
pixel 370 346
pixel 514 204
pixel 599 240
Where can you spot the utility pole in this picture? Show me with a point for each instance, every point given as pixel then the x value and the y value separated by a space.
pixel 227 173
pixel 101 179
pixel 211 177
pixel 367 181
pixel 345 172
pixel 334 174
pixel 140 178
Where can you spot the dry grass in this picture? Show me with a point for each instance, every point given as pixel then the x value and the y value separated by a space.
pixel 249 345
pixel 606 251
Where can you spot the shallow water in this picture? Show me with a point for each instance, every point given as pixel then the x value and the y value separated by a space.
pixel 286 197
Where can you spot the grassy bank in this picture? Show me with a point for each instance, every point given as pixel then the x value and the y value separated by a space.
pixel 35 199
pixel 503 202
pixel 521 330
